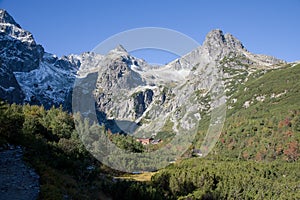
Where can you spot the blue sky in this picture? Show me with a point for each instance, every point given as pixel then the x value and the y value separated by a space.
pixel 63 27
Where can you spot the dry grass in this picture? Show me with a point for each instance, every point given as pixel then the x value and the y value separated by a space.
pixel 143 177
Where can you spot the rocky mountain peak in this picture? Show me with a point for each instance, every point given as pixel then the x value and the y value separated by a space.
pixel 119 50
pixel 217 39
pixel 214 37
pixel 13 30
pixel 18 51
pixel 6 18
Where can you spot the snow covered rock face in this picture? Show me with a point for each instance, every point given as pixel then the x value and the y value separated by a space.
pixel 27 73
pixel 51 83
pixel 19 50
pixel 6 18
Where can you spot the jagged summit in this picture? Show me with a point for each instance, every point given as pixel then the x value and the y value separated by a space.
pixel 215 35
pixel 11 28
pixel 216 38
pixel 6 18
pixel 22 53
pixel 218 46
pixel 119 49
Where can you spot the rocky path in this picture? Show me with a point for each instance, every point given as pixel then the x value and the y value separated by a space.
pixel 17 180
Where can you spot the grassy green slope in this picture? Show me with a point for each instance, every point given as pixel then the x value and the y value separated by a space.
pixel 263 118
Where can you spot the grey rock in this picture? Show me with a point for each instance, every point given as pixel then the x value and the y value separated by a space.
pixel 141 101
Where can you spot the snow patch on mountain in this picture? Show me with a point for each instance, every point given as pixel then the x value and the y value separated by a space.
pixel 48 84
pixel 16 33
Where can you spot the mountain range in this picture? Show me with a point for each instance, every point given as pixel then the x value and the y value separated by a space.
pixel 127 89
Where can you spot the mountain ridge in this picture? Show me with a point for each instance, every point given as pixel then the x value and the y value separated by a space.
pixel 127 88
pixel 6 18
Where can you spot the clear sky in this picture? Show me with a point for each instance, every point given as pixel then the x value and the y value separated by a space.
pixel 63 27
